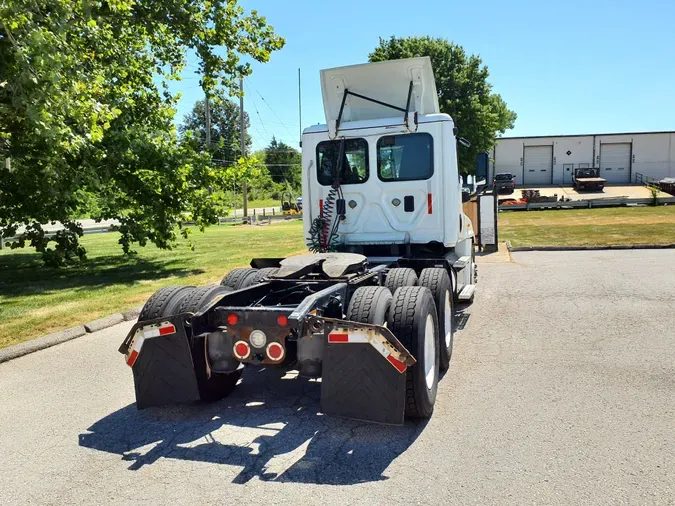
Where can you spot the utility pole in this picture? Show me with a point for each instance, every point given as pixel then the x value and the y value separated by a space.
pixel 300 107
pixel 207 113
pixel 242 128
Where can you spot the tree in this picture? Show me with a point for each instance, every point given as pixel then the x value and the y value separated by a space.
pixel 463 91
pixel 284 163
pixel 225 128
pixel 84 107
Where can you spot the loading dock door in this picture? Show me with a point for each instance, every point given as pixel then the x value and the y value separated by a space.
pixel 615 162
pixel 537 165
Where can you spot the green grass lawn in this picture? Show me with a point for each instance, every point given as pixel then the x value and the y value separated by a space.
pixel 589 227
pixel 264 203
pixel 35 300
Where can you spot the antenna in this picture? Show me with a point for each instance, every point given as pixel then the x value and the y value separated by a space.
pixel 300 107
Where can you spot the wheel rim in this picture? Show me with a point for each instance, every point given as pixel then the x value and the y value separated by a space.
pixel 447 319
pixel 429 352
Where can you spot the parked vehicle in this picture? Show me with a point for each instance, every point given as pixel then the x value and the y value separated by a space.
pixel 588 179
pixel 504 181
pixel 370 312
pixel 289 206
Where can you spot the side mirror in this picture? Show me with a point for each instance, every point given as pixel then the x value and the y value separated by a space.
pixel 482 160
pixel 466 196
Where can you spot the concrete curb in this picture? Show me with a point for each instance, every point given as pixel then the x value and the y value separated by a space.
pixel 103 323
pixel 21 349
pixel 587 248
pixel 41 343
pixel 132 314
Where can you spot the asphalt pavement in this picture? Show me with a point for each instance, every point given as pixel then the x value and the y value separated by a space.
pixel 561 390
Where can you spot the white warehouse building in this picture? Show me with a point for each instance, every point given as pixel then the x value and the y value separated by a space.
pixel 622 158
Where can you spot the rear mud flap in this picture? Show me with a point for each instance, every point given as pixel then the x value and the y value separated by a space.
pixel 361 377
pixel 163 371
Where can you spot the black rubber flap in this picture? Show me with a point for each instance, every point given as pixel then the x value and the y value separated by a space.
pixel 358 382
pixel 163 372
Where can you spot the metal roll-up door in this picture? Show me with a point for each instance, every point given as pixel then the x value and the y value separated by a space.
pixel 537 165
pixel 615 162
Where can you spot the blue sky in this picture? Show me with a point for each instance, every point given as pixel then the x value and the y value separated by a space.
pixel 565 67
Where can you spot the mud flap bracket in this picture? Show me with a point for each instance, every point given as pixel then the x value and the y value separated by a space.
pixel 364 372
pixel 163 370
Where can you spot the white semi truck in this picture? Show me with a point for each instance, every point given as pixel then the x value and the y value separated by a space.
pixel 370 310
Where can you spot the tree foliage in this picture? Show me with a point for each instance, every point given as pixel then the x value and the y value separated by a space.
pixel 284 163
pixel 225 128
pixel 463 91
pixel 84 107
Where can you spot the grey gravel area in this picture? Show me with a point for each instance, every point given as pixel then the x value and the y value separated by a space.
pixel 561 391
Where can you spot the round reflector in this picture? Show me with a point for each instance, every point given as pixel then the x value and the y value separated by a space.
pixel 275 351
pixel 282 320
pixel 258 338
pixel 232 319
pixel 241 350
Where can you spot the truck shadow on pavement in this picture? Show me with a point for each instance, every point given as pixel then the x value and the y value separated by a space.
pixel 271 427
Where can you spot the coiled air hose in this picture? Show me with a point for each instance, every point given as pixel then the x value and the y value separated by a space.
pixel 323 236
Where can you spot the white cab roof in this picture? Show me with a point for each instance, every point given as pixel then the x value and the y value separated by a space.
pixel 383 123
pixel 386 81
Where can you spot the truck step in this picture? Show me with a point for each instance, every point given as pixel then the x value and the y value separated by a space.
pixel 467 292
pixel 461 262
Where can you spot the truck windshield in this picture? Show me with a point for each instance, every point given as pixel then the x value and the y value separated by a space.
pixel 503 177
pixel 354 168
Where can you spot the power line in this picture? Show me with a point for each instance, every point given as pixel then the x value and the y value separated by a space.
pixel 265 164
pixel 262 124
pixel 268 105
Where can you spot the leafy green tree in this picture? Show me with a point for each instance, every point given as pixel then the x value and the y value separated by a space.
pixel 284 163
pixel 251 169
pixel 85 107
pixel 225 128
pixel 463 91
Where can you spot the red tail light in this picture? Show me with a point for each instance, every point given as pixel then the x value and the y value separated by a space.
pixel 241 350
pixel 275 351
pixel 232 319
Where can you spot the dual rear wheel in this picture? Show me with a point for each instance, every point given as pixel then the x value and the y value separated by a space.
pixel 410 314
pixel 172 300
pixel 419 310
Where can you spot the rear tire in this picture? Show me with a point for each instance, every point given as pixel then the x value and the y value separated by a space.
pixel 261 274
pixel 164 302
pixel 237 278
pixel 370 304
pixel 214 387
pixel 438 281
pixel 400 276
pixel 414 321
pixel 201 297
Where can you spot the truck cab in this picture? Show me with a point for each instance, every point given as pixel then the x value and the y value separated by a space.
pixel 382 172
